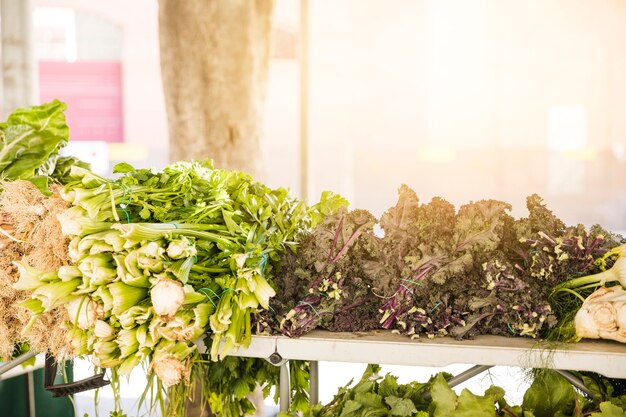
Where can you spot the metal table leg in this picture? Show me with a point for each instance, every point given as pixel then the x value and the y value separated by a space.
pixel 462 377
pixel 314 382
pixel 31 394
pixel 574 381
pixel 468 374
pixel 285 387
pixel 5 367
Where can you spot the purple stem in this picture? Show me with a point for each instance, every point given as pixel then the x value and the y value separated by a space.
pixel 346 246
pixel 357 303
pixel 337 233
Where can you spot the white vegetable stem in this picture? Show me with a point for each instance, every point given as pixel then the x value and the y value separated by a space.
pixel 167 296
pixel 603 315
pixel 82 311
pixel 169 369
pixel 616 273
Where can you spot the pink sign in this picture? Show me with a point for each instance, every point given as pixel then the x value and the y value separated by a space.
pixel 93 93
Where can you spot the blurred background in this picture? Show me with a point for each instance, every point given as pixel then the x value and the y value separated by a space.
pixel 464 100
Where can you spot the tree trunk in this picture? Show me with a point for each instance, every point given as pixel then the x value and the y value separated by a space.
pixel 214 63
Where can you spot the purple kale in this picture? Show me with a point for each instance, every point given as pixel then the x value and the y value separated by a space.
pixel 330 283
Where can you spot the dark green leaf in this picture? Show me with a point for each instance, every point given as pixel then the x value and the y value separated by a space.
pixel 548 394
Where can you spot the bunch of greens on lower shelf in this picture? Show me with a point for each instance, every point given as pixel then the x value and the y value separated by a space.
pixel 549 395
pixel 228 384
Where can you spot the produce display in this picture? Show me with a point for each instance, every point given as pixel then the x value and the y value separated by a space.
pixel 439 272
pixel 133 271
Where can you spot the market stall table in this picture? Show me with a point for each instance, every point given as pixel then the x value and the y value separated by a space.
pixel 384 347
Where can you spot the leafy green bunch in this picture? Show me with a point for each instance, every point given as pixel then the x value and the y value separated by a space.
pixel 217 231
pixel 549 395
pixel 160 259
pixel 225 385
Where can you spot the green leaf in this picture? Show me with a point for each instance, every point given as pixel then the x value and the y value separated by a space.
pixel 444 399
pixel 496 393
pixel 63 166
pixel 42 183
pixel 123 168
pixel 388 386
pixel 241 388
pixel 401 406
pixel 549 394
pixel 329 204
pixel 609 410
pixel 369 399
pixel 350 407
pixel 471 405
pixel 28 138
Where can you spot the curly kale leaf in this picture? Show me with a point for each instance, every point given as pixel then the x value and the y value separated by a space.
pixel 325 285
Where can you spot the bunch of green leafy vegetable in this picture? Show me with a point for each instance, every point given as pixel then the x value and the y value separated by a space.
pixel 160 259
pixel 230 230
pixel 549 395
pixel 225 385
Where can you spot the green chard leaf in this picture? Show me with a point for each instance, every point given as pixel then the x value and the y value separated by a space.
pixel 388 386
pixel 401 406
pixel 548 395
pixel 609 410
pixel 471 405
pixel 444 399
pixel 29 137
